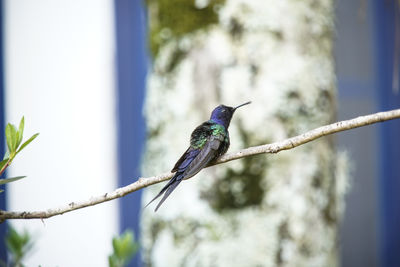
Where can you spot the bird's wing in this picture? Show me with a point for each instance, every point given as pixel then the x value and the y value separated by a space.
pixel 207 153
pixel 191 162
pixel 200 133
pixel 185 159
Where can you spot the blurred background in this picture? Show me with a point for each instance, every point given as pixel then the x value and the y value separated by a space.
pixel 82 72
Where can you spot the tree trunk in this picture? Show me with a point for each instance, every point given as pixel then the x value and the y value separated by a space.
pixel 268 210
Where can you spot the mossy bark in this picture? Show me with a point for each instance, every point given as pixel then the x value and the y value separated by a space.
pixel 269 210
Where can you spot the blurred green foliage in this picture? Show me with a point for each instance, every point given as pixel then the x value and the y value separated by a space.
pixel 18 246
pixel 124 248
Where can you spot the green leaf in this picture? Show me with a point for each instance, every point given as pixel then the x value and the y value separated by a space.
pixel 11 136
pixel 9 180
pixel 113 261
pixel 27 142
pixel 20 132
pixel 6 155
pixel 124 247
pixel 3 162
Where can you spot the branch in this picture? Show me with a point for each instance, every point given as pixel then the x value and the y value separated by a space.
pixel 268 148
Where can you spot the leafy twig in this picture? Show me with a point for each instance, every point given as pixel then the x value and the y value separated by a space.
pixel 14 139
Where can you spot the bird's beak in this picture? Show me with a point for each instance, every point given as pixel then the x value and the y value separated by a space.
pixel 241 105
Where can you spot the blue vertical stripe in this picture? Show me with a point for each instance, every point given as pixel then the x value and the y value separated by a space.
pixel 131 74
pixel 386 16
pixel 3 204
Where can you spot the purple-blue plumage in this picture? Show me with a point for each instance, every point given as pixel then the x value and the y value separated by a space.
pixel 208 142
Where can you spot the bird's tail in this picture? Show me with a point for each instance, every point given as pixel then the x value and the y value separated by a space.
pixel 167 189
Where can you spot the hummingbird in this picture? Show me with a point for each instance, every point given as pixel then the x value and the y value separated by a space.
pixel 208 142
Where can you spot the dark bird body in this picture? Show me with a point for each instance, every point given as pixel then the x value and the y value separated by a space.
pixel 208 142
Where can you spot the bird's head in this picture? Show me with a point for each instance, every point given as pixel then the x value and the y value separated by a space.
pixel 223 114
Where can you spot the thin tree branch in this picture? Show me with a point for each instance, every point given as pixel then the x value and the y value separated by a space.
pixel 268 148
pixel 5 167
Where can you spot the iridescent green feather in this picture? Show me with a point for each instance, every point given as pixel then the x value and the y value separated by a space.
pixel 199 143
pixel 218 129
pixel 201 133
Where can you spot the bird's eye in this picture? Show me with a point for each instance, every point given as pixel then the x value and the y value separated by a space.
pixel 223 110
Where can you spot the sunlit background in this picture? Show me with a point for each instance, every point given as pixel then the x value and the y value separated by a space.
pixel 77 71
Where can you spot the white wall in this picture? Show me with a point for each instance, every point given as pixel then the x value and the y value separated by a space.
pixel 59 73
